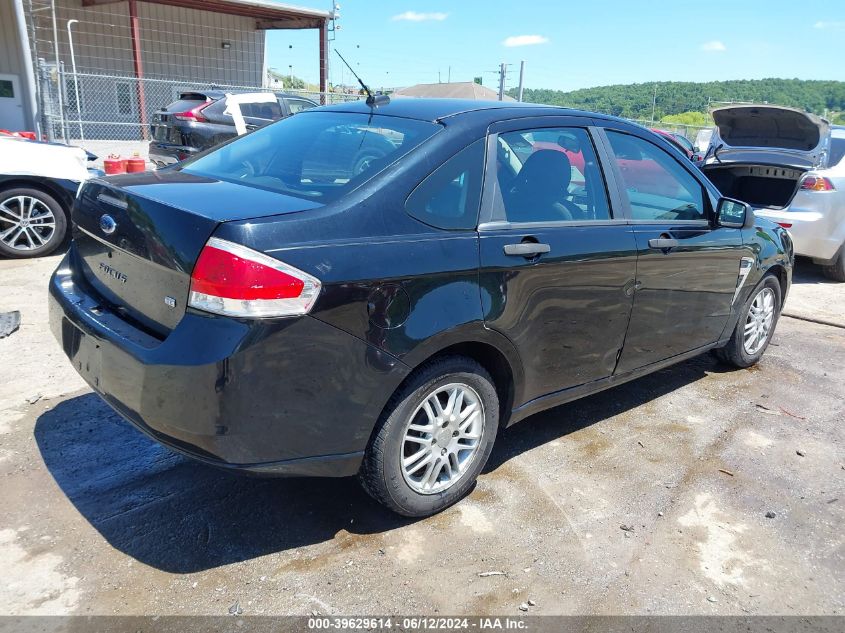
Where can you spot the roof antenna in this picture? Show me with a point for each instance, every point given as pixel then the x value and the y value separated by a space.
pixel 372 100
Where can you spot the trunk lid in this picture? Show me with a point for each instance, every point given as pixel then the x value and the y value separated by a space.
pixel 768 135
pixel 138 236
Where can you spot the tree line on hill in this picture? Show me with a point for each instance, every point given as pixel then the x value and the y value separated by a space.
pixel 688 102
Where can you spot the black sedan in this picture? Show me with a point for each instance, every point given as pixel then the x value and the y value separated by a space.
pixel 197 121
pixel 304 313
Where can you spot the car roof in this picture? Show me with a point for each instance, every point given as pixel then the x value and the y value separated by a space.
pixel 439 109
pixel 219 93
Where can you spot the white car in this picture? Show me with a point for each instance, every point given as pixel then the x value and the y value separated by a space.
pixel 38 182
pixel 789 166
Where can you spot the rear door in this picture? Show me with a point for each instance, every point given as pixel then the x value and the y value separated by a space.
pixel 556 264
pixel 687 267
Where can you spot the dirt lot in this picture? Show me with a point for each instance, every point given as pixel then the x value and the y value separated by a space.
pixel 97 519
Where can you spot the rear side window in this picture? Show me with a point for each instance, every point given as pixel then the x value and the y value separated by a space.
pixel 657 186
pixel 335 153
pixel 449 198
pixel 298 105
pixel 270 111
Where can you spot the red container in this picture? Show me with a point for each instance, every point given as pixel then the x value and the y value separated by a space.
pixel 135 164
pixel 114 164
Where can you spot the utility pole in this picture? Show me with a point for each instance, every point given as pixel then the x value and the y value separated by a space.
pixel 503 69
pixel 521 77
pixel 654 103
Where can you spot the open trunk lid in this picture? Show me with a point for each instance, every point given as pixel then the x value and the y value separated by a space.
pixel 768 135
pixel 138 251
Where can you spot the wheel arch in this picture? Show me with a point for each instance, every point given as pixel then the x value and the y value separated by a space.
pixel 41 184
pixel 779 272
pixel 488 348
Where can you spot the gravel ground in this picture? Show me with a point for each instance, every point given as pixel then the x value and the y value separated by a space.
pixel 696 490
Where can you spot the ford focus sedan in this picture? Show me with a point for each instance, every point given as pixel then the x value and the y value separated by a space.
pixel 303 313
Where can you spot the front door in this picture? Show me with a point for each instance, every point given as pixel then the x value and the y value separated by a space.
pixel 687 267
pixel 11 104
pixel 556 265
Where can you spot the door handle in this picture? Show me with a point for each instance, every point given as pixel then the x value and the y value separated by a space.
pixel 527 249
pixel 663 243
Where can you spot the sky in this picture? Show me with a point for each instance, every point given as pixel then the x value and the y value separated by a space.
pixel 568 44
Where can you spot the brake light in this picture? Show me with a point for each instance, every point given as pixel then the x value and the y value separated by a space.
pixel 237 281
pixel 816 183
pixel 194 114
pixel 786 225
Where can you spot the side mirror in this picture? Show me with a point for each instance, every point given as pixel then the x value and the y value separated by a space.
pixel 733 213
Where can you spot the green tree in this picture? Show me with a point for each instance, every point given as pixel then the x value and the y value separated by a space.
pixel 634 101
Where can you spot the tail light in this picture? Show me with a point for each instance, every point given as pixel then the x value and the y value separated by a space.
pixel 237 281
pixel 786 225
pixel 194 114
pixel 816 183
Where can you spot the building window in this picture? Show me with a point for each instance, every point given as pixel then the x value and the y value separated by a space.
pixel 124 97
pixel 7 89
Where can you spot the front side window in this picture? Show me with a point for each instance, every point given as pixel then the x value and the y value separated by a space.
pixel 550 175
pixel 335 153
pixel 657 186
pixel 449 198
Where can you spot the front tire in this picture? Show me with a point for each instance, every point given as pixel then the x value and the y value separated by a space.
pixel 755 326
pixel 433 438
pixel 32 223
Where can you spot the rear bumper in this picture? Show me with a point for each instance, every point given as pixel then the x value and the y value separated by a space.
pixel 164 154
pixel 282 397
pixel 817 226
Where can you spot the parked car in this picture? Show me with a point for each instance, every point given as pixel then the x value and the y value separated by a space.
pixel 38 182
pixel 197 121
pixel 289 313
pixel 678 140
pixel 702 139
pixel 789 166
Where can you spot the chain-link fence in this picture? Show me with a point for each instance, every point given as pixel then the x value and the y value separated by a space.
pixel 115 107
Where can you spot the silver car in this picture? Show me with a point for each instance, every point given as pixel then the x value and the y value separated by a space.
pixel 789 166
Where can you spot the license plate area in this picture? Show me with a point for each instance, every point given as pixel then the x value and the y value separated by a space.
pixel 83 351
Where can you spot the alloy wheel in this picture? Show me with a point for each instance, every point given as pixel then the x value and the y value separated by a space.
pixel 758 321
pixel 442 437
pixel 26 223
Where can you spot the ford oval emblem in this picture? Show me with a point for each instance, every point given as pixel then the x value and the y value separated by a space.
pixel 107 224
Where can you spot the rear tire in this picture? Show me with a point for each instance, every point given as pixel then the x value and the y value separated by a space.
pixel 755 326
pixel 32 223
pixel 430 445
pixel 836 270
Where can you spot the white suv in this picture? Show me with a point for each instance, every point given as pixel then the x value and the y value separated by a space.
pixel 789 166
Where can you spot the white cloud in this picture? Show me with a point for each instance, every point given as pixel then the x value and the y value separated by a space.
pixel 713 47
pixel 524 40
pixel 833 26
pixel 413 16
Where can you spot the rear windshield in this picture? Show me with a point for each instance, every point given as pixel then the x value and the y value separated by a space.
pixel 183 105
pixel 316 155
